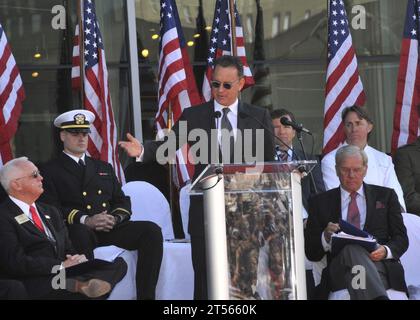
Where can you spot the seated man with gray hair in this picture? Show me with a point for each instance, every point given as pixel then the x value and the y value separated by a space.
pixel 371 208
pixel 35 248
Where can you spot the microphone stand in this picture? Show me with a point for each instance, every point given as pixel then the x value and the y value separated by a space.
pixel 244 114
pixel 300 138
pixel 219 164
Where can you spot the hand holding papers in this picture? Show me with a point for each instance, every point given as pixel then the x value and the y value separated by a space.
pixel 349 234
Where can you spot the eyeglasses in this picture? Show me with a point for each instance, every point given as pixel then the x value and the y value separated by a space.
pixel 227 85
pixel 355 171
pixel 34 175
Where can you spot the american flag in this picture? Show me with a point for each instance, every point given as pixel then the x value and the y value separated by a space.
pixel 344 87
pixel 103 139
pixel 177 87
pixel 220 44
pixel 408 85
pixel 11 96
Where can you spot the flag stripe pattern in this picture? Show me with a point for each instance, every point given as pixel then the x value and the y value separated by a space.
pixel 177 87
pixel 405 115
pixel 12 95
pixel 343 84
pixel 220 44
pixel 97 99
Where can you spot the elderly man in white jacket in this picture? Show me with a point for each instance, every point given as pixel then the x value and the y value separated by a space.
pixel 381 172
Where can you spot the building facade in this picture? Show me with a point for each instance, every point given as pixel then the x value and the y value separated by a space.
pixel 295 39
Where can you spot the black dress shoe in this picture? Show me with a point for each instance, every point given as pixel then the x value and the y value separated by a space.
pixel 381 298
pixel 93 288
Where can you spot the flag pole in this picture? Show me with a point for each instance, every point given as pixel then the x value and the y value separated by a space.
pixel 233 27
pixel 81 51
pixel 170 172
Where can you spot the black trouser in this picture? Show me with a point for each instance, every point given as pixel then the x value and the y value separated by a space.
pixel 143 236
pixel 12 290
pixel 198 255
pixel 112 273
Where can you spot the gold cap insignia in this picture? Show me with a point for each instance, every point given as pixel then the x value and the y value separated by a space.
pixel 79 118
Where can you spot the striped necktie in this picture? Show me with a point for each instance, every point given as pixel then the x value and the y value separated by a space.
pixel 228 140
pixel 353 213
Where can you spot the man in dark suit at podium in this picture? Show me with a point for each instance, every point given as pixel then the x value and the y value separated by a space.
pixel 226 112
pixel 371 208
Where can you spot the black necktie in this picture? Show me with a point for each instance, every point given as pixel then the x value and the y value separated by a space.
pixel 82 167
pixel 228 140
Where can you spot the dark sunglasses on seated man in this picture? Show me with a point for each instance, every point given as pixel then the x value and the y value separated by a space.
pixel 227 85
pixel 34 175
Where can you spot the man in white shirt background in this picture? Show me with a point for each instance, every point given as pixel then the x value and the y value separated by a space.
pixel 381 172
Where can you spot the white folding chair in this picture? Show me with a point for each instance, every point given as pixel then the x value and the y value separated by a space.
pixel 176 273
pixel 411 258
pixel 126 288
pixel 149 204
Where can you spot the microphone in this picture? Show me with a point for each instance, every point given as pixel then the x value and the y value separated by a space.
pixel 297 126
pixel 217 115
pixel 243 114
pixel 219 169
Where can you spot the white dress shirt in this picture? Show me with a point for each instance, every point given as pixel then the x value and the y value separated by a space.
pixel 232 116
pixel 76 159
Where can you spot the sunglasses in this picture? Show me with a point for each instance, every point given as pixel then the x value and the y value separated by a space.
pixel 34 175
pixel 227 85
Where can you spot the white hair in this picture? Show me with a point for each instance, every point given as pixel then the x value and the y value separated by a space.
pixel 10 171
pixel 350 151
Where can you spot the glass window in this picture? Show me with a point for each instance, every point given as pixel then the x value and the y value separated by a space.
pixel 384 26
pixel 250 27
pixel 287 20
pixel 276 25
pixel 295 53
pixel 43 53
pixel 187 14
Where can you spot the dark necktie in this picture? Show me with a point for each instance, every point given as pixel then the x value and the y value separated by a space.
pixel 228 139
pixel 36 219
pixel 284 156
pixel 82 167
pixel 353 213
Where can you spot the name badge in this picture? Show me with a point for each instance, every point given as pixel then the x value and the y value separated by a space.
pixel 21 219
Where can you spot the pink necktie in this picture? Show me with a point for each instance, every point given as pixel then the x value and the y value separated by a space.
pixel 353 214
pixel 36 219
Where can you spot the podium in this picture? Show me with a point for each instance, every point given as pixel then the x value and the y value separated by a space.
pixel 254 230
